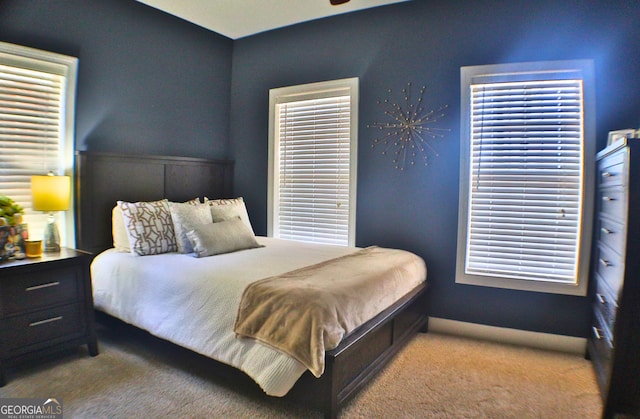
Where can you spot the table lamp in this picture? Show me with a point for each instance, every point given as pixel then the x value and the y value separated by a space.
pixel 51 193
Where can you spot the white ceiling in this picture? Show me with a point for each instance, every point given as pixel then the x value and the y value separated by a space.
pixel 239 18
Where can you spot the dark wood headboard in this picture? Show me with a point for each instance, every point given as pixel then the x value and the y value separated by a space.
pixel 104 178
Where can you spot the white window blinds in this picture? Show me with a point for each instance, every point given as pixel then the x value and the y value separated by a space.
pixel 526 180
pixel 313 179
pixel 33 123
pixel 526 168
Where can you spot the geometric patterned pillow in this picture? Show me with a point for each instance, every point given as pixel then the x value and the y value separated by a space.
pixel 149 226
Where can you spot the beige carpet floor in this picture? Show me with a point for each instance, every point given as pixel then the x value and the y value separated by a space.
pixel 435 376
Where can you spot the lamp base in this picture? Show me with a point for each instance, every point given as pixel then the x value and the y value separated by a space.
pixel 51 241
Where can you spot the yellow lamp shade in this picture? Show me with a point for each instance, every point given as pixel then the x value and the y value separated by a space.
pixel 50 193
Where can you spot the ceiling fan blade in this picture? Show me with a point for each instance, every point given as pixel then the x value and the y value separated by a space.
pixel 337 2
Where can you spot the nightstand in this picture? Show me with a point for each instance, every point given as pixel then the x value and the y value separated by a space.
pixel 46 304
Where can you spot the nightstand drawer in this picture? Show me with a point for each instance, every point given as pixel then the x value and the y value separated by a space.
pixel 43 327
pixel 40 289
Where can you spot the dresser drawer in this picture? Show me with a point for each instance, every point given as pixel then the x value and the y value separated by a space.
pixel 609 268
pixel 613 204
pixel 605 307
pixel 611 234
pixel 611 170
pixel 600 350
pixel 43 327
pixel 40 289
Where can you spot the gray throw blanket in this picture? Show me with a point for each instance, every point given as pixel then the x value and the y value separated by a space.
pixel 308 311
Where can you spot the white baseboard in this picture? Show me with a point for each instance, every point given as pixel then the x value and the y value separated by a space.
pixel 538 340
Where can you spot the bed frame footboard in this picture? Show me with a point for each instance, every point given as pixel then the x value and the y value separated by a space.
pixel 363 353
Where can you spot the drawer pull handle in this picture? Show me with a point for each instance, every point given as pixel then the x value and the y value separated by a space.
pixel 601 299
pixel 38 287
pixel 41 322
pixel 607 174
pixel 606 230
pixel 596 333
pixel 607 198
pixel 605 262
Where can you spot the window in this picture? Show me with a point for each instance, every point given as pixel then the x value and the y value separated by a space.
pixel 312 162
pixel 37 102
pixel 527 164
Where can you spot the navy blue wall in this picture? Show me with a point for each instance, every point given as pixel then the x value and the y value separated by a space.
pixel 148 83
pixel 426 43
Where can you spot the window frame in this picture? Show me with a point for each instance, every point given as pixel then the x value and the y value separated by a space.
pixel 523 72
pixel 66 66
pixel 318 90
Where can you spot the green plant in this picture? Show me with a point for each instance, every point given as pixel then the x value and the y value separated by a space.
pixel 10 212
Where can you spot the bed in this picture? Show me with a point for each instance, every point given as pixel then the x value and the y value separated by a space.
pixel 361 350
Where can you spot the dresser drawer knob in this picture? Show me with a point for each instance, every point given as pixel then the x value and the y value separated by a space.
pixel 605 263
pixel 596 333
pixel 606 230
pixel 41 322
pixel 47 285
pixel 606 174
pixel 601 298
pixel 607 198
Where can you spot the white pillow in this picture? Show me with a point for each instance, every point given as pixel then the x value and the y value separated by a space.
pixel 119 231
pixel 226 209
pixel 223 237
pixel 185 216
pixel 149 227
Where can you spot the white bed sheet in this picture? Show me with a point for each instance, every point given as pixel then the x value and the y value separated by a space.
pixel 193 302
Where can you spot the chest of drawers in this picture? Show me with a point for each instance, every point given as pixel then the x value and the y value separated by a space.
pixel 614 345
pixel 45 305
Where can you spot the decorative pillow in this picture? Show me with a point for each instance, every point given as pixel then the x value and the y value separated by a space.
pixel 223 237
pixel 119 231
pixel 149 227
pixel 185 216
pixel 226 209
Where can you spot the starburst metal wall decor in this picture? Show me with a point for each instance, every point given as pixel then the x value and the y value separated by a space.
pixel 412 128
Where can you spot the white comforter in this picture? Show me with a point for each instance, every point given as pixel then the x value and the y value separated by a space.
pixel 193 302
